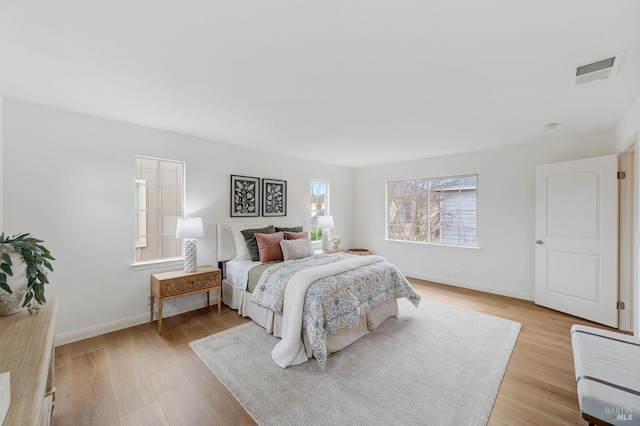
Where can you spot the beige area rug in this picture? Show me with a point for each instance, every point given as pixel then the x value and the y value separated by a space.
pixel 434 365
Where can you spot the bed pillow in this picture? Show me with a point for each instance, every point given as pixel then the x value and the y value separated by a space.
pixel 296 249
pixel 250 240
pixel 291 229
pixel 269 246
pixel 242 252
pixel 295 235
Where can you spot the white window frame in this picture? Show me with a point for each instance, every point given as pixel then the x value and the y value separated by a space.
pixel 318 242
pixel 428 233
pixel 141 190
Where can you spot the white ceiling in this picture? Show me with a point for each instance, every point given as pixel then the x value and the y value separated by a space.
pixel 349 82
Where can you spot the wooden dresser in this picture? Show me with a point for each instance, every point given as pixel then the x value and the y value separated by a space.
pixel 27 352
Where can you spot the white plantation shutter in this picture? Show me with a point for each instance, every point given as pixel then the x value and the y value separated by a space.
pixel 159 202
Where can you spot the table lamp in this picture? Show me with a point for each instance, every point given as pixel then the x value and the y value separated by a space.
pixel 325 223
pixel 190 228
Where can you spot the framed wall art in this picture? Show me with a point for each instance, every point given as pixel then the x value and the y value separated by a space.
pixel 245 196
pixel 274 197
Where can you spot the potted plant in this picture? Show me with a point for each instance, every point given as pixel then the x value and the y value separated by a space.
pixel 23 264
pixel 336 243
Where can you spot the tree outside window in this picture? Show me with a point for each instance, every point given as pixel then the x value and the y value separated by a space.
pixel 433 210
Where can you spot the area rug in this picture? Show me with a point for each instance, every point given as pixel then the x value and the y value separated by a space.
pixel 435 365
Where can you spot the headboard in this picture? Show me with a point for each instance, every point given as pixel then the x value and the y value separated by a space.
pixel 226 244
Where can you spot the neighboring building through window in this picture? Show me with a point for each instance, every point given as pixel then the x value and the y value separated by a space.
pixel 319 206
pixel 159 201
pixel 442 210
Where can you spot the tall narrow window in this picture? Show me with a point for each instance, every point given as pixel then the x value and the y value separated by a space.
pixel 159 201
pixel 319 206
pixel 442 210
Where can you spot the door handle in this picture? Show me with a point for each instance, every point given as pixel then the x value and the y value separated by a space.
pixel 539 242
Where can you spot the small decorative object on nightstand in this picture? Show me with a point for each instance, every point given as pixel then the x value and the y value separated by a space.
pixel 174 284
pixel 336 242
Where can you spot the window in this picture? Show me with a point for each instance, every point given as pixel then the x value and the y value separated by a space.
pixel 319 206
pixel 441 210
pixel 159 201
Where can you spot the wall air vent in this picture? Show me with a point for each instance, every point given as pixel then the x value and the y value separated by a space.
pixel 596 70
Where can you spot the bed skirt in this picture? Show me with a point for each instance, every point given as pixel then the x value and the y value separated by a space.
pixel 238 298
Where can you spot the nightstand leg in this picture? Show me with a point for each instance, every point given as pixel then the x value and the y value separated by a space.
pixel 159 316
pixel 208 303
pixel 219 301
pixel 151 300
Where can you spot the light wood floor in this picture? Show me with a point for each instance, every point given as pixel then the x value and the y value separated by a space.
pixel 137 377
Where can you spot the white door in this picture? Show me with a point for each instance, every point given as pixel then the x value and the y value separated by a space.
pixel 576 254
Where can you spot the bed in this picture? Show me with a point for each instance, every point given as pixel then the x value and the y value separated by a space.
pixel 299 341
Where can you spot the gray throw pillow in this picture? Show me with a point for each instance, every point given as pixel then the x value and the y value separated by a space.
pixel 296 249
pixel 250 239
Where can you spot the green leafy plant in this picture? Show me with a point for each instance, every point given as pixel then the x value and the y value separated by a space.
pixel 336 242
pixel 35 256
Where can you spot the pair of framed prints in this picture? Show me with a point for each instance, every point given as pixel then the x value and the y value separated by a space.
pixel 248 197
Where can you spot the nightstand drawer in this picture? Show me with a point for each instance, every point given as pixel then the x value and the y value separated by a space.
pixel 186 284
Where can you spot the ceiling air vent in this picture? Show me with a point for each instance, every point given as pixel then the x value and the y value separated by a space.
pixel 596 70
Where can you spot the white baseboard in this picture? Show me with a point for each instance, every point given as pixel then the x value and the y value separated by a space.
pixel 463 284
pixel 97 330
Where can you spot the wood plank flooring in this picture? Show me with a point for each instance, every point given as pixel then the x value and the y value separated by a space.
pixel 136 377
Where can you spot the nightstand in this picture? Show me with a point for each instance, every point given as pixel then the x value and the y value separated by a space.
pixel 174 284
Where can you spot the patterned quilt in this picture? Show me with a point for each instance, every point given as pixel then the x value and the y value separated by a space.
pixel 336 302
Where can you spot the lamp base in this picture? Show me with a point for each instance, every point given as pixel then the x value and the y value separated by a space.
pixel 326 239
pixel 190 255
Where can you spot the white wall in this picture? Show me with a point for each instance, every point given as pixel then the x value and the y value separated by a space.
pixel 505 264
pixel 628 128
pixel 70 182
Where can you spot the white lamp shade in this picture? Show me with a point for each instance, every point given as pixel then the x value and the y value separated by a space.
pixel 189 227
pixel 325 222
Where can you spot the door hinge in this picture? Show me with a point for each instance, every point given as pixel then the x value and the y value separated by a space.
pixel 620 305
pixel 622 175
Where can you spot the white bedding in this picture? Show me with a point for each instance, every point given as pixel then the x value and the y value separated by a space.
pixel 237 272
pixel 291 349
pixel 234 293
pixel 235 296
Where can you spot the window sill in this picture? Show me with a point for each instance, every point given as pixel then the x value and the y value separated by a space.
pixel 449 246
pixel 162 263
